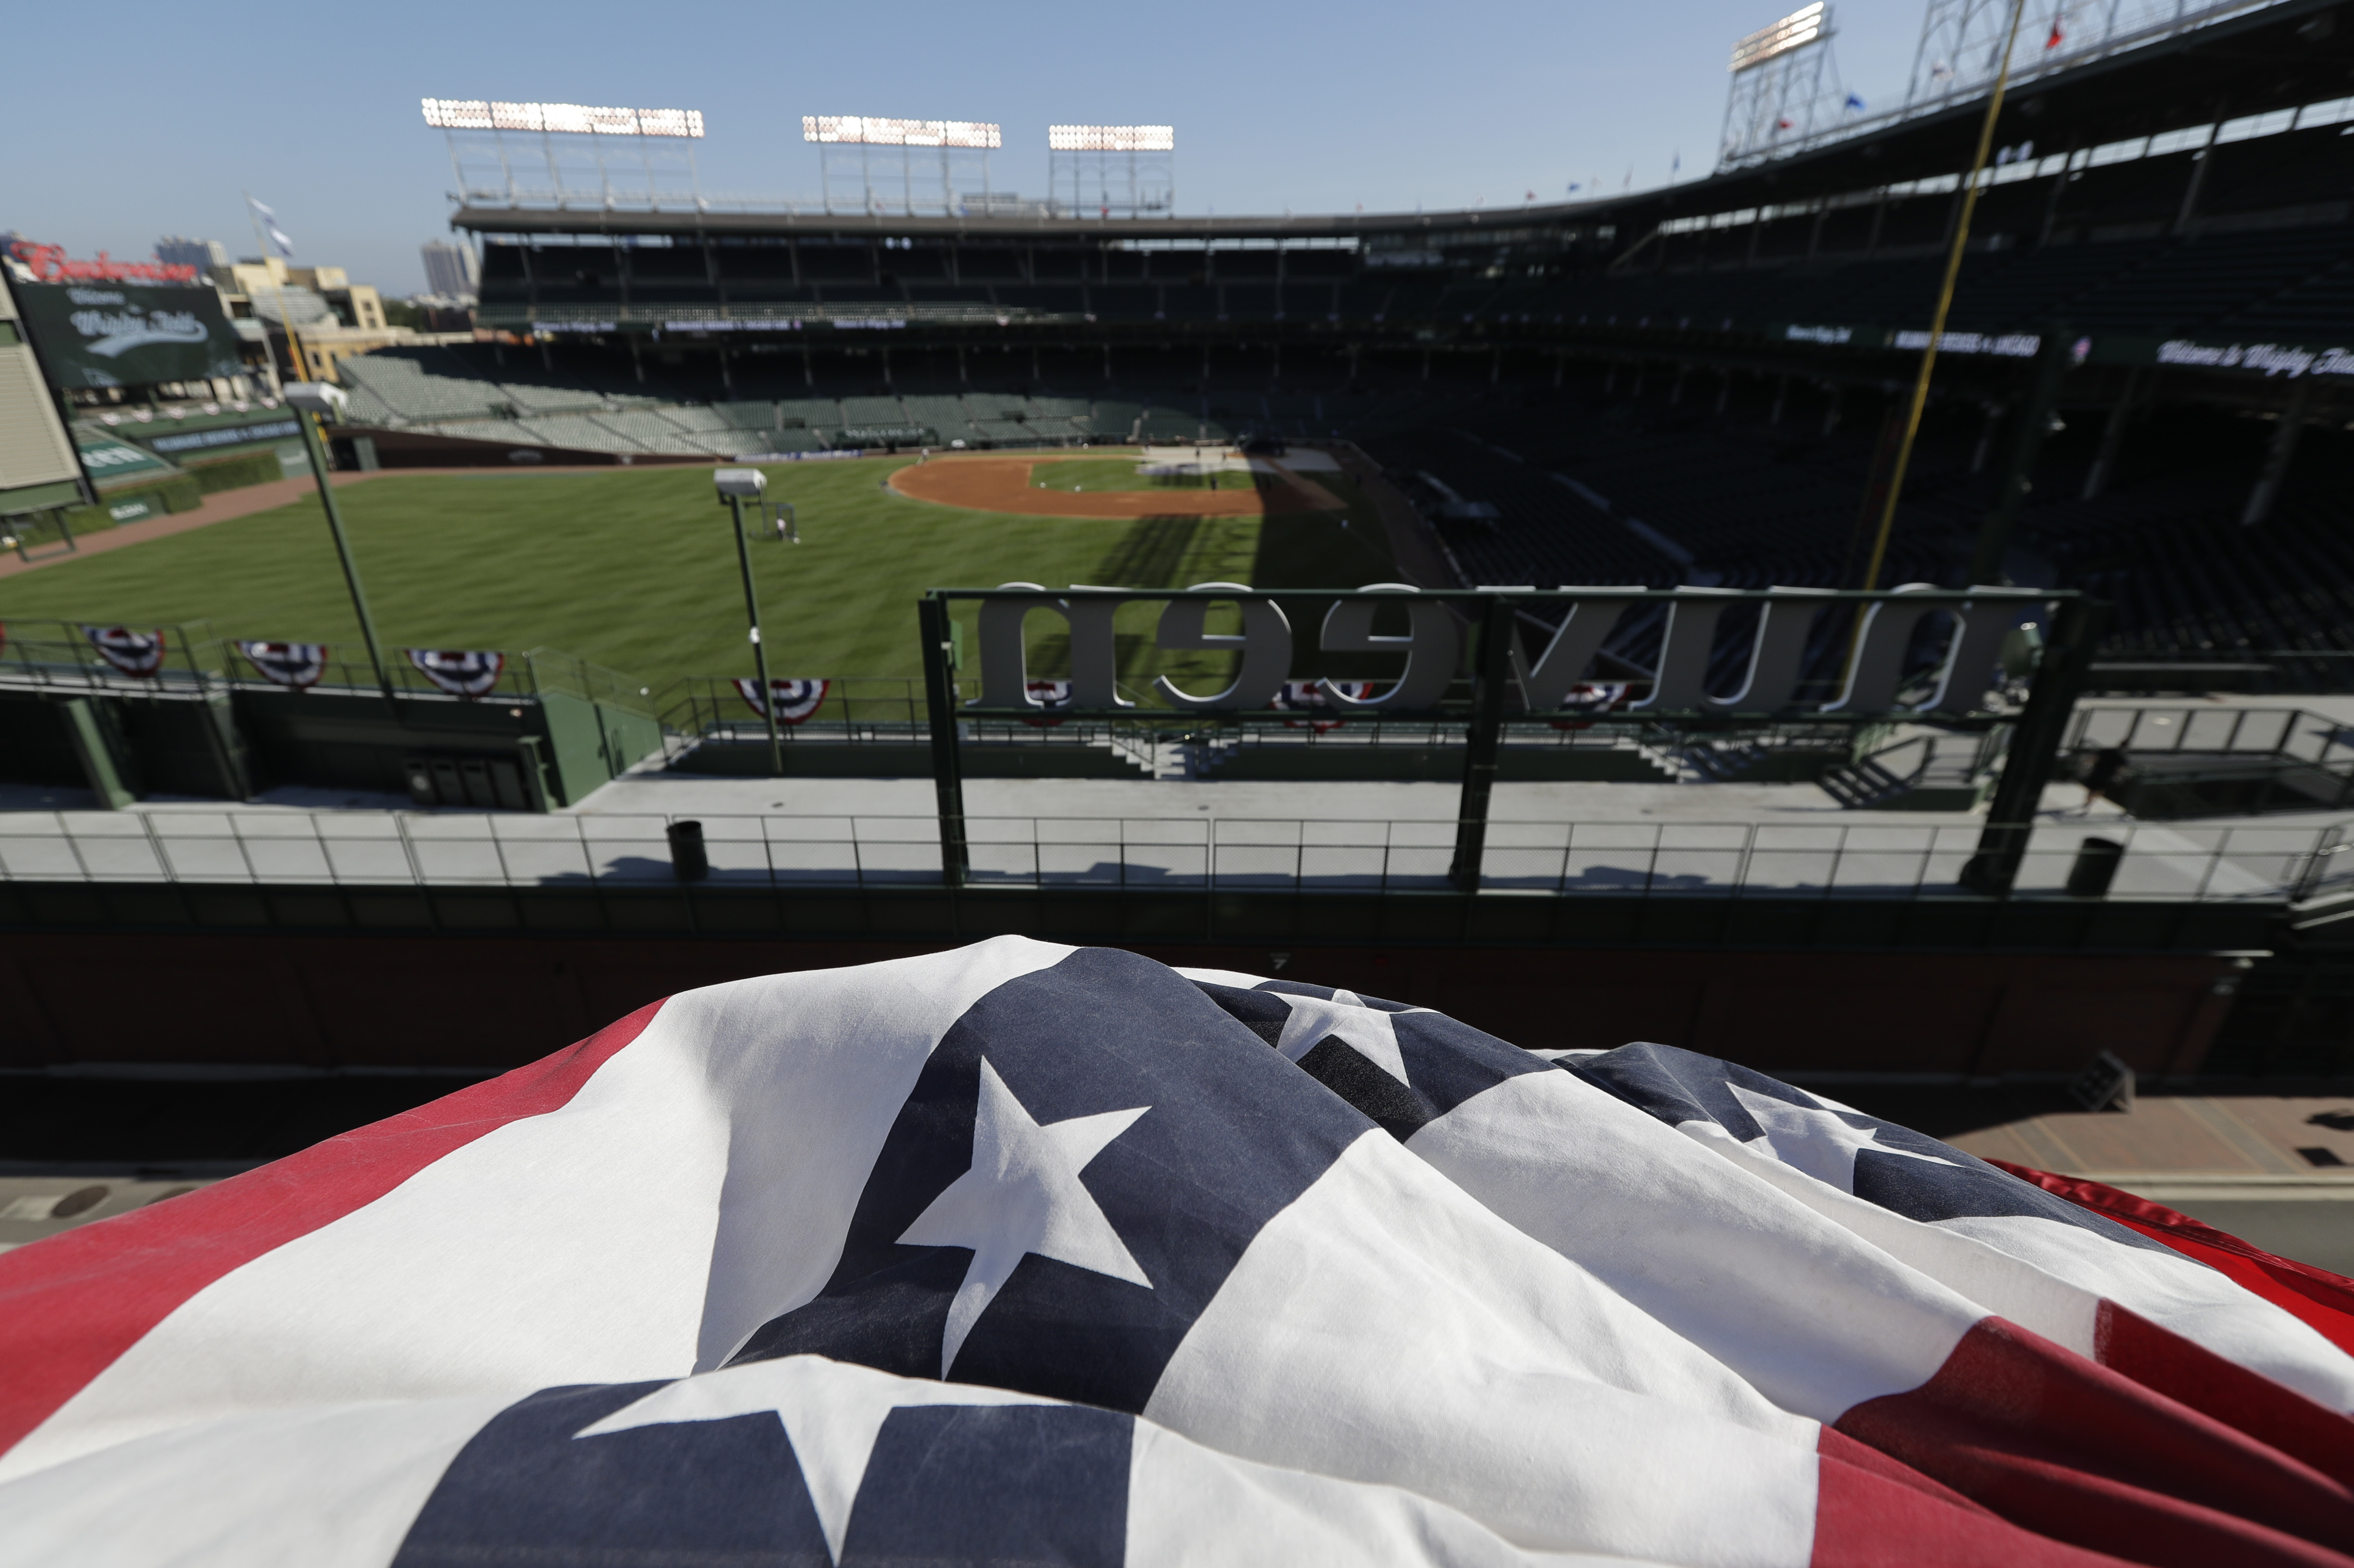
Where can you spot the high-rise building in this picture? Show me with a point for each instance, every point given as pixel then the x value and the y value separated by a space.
pixel 449 268
pixel 178 250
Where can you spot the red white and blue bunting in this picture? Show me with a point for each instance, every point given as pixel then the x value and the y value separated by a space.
pixel 1304 696
pixel 1050 695
pixel 1589 698
pixel 792 701
pixel 460 673
pixel 296 664
pixel 132 652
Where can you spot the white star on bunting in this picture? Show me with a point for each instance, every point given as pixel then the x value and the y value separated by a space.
pixel 1023 1195
pixel 1367 1031
pixel 1818 1142
pixel 832 1413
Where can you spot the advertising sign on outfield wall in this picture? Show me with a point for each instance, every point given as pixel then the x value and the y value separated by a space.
pixel 127 335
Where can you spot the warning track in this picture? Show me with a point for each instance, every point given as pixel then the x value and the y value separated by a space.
pixel 1004 485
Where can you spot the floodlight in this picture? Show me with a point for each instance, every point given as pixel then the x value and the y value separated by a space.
pixel 317 398
pixel 559 118
pixel 739 483
pixel 868 131
pixel 1800 27
pixel 1111 138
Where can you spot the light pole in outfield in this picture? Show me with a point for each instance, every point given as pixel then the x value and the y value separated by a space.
pixel 313 401
pixel 736 486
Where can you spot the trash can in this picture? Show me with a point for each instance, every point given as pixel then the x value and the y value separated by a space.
pixel 2096 867
pixel 687 859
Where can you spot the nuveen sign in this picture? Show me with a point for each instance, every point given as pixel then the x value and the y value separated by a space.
pixel 1527 649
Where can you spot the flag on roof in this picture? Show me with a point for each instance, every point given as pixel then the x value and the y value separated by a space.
pixel 1032 1253
pixel 1855 102
pixel 2053 42
pixel 269 222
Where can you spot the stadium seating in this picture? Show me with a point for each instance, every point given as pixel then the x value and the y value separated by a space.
pixel 419 385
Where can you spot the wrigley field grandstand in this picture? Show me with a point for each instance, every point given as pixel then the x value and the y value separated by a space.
pixel 1948 744
pixel 1718 360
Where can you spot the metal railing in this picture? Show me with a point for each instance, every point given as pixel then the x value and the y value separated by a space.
pixel 196 658
pixel 2159 862
pixel 2242 731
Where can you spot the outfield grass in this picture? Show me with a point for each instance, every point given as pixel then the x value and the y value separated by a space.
pixel 636 569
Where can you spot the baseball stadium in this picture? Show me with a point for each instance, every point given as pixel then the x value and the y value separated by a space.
pixel 921 876
pixel 541 701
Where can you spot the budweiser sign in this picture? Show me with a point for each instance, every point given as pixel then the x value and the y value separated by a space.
pixel 49 264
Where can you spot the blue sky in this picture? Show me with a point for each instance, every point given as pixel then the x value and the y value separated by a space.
pixel 1277 103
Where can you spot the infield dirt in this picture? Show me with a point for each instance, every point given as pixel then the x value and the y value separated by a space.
pixel 1006 485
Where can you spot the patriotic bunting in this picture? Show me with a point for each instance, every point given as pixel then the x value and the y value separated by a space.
pixel 1050 695
pixel 1589 697
pixel 1271 1271
pixel 793 701
pixel 1310 695
pixel 458 672
pixel 296 664
pixel 1031 1254
pixel 139 653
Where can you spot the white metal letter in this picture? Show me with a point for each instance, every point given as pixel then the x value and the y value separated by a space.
pixel 1433 646
pixel 1265 644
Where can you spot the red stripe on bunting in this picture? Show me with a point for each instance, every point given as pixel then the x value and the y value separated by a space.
pixel 2080 1452
pixel 1870 1512
pixel 2249 1402
pixel 2322 1299
pixel 71 1304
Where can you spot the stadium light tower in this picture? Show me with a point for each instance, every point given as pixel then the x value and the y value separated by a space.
pixel 313 401
pixel 1785 87
pixel 918 141
pixel 1129 170
pixel 736 486
pixel 570 135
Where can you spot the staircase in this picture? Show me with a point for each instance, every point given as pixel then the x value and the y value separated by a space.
pixel 1926 773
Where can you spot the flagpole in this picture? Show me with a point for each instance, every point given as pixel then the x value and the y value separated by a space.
pixel 1937 322
pixel 294 347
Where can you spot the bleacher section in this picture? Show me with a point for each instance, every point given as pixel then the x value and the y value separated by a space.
pixel 584 399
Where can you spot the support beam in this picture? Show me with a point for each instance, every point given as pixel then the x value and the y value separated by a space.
pixel 1990 421
pixel 317 450
pixel 2113 437
pixel 2035 748
pixel 759 654
pixel 2278 455
pixel 96 748
pixel 2201 162
pixel 1483 743
pixel 2031 424
pixel 948 764
pixel 2059 193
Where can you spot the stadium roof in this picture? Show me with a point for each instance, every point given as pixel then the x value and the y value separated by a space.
pixel 2276 57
